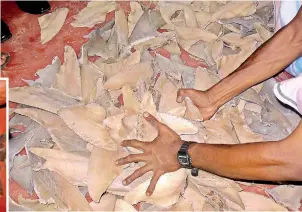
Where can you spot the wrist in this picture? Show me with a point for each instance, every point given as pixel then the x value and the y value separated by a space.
pixel 214 97
pixel 191 152
pixel 183 156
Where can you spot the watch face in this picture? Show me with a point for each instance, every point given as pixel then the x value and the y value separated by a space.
pixel 183 159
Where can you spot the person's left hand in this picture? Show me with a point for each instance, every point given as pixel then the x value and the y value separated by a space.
pixel 159 156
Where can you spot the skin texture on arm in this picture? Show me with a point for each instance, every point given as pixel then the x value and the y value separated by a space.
pixel 271 161
pixel 268 60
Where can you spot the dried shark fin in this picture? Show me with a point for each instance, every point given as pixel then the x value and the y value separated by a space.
pixel 173 48
pixel 168 9
pixel 178 124
pixel 256 202
pixel 51 23
pixel 39 138
pixel 134 15
pixel 93 13
pixel 72 167
pixel 288 195
pixel 162 40
pixel 99 40
pixel 98 179
pixel 182 205
pixel 13 206
pixel 230 63
pixel 53 188
pixel 272 115
pixel 21 173
pixel 17 143
pixel 204 79
pixel 131 104
pixel 235 39
pixel 110 69
pixel 244 133
pixel 122 205
pixel 46 75
pixel 250 95
pixel 202 50
pixel 234 9
pixel 226 188
pixel 90 75
pixel 182 75
pixel 263 32
pixel 168 97
pixel 179 111
pixel 148 104
pixel 188 33
pixel 203 18
pixel 107 203
pixel 130 75
pixel 165 194
pixel 122 31
pixel 69 72
pixel 146 27
pixel 35 205
pixel 118 131
pixel 64 137
pixel 193 195
pixel 86 122
pixel 269 132
pixel 48 99
pixel 190 17
pixel 220 130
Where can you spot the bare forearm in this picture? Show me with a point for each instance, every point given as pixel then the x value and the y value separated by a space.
pixel 268 60
pixel 273 161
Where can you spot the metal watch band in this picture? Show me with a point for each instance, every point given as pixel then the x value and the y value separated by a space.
pixel 184 150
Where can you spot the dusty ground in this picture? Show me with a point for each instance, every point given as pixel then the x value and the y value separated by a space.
pixel 28 55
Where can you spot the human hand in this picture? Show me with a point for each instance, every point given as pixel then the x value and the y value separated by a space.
pixel 159 156
pixel 201 99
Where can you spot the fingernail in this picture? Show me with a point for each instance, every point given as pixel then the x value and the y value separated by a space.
pixel 146 114
pixel 124 182
pixel 116 162
pixel 148 194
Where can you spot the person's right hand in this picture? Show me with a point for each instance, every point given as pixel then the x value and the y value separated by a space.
pixel 201 99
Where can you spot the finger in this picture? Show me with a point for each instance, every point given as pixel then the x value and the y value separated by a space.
pixel 138 173
pixel 153 183
pixel 130 159
pixel 152 120
pixel 183 92
pixel 135 144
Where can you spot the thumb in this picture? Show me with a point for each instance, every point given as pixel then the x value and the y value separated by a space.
pixel 185 92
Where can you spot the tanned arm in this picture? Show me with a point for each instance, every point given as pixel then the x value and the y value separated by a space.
pixel 273 161
pixel 268 60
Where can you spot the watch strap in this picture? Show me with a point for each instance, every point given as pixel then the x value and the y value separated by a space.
pixel 184 149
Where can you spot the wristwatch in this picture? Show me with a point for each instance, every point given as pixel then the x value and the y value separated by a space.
pixel 184 158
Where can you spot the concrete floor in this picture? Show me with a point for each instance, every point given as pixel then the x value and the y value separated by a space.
pixel 28 55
